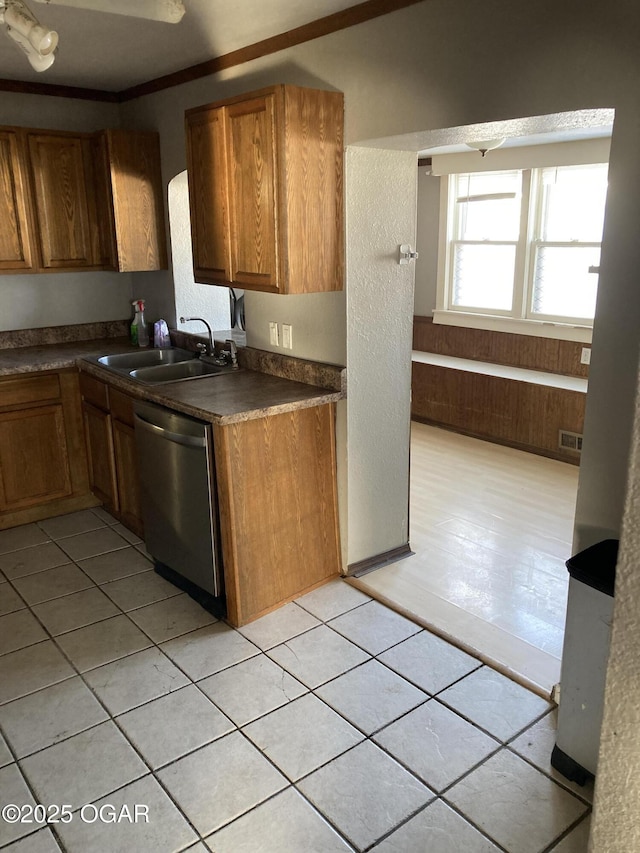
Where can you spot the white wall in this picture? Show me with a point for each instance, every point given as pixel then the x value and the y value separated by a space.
pixel 192 299
pixel 58 299
pixel 427 243
pixel 379 323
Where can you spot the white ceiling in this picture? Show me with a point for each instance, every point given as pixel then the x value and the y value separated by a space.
pixel 543 138
pixel 99 50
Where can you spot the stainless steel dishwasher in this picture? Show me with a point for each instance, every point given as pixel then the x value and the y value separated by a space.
pixel 178 497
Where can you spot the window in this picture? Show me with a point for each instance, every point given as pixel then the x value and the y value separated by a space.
pixel 525 244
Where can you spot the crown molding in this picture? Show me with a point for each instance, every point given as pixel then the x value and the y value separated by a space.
pixel 350 17
pixel 55 91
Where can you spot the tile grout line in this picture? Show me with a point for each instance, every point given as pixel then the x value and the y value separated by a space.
pixel 554 844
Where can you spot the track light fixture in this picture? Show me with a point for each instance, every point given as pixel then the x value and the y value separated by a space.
pixel 37 42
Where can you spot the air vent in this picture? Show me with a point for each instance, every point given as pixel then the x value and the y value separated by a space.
pixel 570 441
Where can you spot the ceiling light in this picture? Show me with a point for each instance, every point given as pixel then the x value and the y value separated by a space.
pixel 38 61
pixel 169 11
pixel 24 29
pixel 485 145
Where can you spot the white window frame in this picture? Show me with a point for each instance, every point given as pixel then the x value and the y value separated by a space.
pixel 520 320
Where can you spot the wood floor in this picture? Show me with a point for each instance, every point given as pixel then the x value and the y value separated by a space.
pixel 491 528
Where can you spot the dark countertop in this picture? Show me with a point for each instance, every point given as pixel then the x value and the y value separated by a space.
pixel 57 356
pixel 220 399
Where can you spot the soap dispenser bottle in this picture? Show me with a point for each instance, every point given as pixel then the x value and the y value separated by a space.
pixel 139 331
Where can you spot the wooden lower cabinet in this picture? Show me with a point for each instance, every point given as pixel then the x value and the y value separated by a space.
pixel 111 451
pixel 278 508
pixel 43 466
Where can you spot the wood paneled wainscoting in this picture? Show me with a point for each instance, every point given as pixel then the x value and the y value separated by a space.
pixel 512 389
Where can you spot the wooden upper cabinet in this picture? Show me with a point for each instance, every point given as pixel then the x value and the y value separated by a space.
pixel 58 164
pixel 15 230
pixel 266 190
pixel 135 200
pixel 81 201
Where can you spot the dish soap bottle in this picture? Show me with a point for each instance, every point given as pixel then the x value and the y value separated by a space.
pixel 139 331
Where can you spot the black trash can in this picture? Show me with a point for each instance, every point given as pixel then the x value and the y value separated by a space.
pixel 584 660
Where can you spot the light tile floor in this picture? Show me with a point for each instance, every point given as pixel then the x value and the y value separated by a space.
pixel 333 724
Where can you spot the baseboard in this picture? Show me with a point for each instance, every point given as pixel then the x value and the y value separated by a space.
pixel 569 767
pixel 362 567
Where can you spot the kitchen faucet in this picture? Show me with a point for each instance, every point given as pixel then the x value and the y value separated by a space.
pixel 202 320
pixel 233 353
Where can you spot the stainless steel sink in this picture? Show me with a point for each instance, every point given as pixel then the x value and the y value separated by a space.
pixel 180 370
pixel 128 361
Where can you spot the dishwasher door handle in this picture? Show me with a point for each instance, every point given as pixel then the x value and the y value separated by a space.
pixel 176 437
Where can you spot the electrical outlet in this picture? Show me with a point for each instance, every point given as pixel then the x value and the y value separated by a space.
pixel 585 356
pixel 274 337
pixel 287 336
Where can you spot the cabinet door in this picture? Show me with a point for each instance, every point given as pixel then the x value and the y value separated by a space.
pixel 208 198
pixel 126 458
pixel 128 479
pixel 100 456
pixel 137 197
pixel 253 193
pixel 61 195
pixel 15 237
pixel 102 203
pixel 34 464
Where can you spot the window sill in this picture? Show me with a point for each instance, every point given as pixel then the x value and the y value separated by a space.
pixel 534 328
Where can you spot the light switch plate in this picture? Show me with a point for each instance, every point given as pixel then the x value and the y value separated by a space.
pixel 585 356
pixel 287 336
pixel 274 337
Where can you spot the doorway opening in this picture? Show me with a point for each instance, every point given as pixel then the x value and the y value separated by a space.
pixel 491 525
